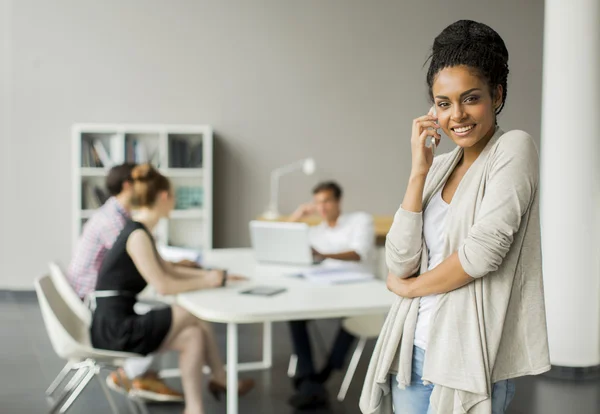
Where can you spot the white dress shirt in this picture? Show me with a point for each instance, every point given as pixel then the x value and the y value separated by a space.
pixel 352 232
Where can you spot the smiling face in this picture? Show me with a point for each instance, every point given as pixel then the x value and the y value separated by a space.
pixel 465 106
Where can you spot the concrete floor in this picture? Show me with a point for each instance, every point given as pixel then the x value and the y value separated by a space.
pixel 28 365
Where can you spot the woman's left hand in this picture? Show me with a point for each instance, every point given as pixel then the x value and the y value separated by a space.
pixel 401 287
pixel 236 278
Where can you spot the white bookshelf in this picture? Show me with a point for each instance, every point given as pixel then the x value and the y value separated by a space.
pixel 183 153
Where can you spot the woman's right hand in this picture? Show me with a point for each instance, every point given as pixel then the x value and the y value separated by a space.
pixel 216 276
pixel 422 156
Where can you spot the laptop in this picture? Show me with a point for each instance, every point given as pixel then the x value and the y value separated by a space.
pixel 280 242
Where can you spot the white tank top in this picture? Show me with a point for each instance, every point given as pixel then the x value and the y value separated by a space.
pixel 434 219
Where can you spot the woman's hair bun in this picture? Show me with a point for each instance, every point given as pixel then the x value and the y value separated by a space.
pixel 142 172
pixel 469 34
pixel 148 182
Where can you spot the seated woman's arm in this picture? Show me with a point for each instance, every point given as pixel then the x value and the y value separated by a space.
pixel 142 252
pixel 181 271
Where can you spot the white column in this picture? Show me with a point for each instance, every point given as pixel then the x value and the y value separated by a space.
pixel 232 368
pixel 570 180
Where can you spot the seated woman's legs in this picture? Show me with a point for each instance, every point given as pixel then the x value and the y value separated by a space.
pixel 210 354
pixel 186 337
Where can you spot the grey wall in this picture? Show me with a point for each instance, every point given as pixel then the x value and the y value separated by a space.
pixel 278 80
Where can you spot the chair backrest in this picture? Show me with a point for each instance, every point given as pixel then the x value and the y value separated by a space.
pixel 66 291
pixel 68 334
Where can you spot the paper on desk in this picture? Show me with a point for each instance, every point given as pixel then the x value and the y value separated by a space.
pixel 337 275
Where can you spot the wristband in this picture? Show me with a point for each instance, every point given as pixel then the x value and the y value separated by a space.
pixel 224 277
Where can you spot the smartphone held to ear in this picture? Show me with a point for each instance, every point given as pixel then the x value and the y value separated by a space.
pixel 433 145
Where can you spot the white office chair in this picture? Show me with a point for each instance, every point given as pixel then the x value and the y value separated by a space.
pixel 68 294
pixel 364 327
pixel 69 335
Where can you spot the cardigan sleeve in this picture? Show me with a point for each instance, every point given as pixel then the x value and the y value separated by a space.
pixel 404 243
pixel 510 187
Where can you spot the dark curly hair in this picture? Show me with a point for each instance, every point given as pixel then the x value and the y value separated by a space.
pixel 475 45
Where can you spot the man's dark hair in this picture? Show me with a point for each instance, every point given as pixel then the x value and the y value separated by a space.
pixel 476 46
pixel 332 186
pixel 117 176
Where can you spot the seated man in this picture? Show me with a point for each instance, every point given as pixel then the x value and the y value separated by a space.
pixel 98 235
pixel 339 237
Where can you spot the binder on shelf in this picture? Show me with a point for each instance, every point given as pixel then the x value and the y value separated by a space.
pixel 184 154
pixel 116 151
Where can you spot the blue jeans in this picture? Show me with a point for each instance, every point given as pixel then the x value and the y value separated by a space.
pixel 414 399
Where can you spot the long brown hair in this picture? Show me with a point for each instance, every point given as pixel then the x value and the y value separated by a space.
pixel 147 184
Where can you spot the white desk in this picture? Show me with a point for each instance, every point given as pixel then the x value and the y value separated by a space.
pixel 302 300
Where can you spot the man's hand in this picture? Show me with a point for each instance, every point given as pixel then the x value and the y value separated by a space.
pixel 302 211
pixel 318 256
pixel 188 263
pixel 401 287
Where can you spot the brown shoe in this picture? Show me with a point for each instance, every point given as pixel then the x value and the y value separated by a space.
pixel 153 388
pixel 244 387
pixel 118 381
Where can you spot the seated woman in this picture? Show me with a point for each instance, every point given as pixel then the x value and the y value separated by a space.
pixel 128 267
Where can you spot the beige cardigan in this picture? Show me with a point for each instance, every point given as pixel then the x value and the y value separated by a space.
pixel 493 328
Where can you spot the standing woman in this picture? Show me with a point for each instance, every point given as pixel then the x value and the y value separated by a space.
pixel 463 253
pixel 131 264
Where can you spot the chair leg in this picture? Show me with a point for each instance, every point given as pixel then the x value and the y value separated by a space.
pixel 351 368
pixel 77 391
pixel 60 378
pixel 293 364
pixel 133 407
pixel 140 404
pixel 106 391
pixel 73 382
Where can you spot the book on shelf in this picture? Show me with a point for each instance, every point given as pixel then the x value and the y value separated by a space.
pixel 184 154
pixel 92 196
pixel 138 152
pixel 89 155
pixel 94 154
pixel 102 154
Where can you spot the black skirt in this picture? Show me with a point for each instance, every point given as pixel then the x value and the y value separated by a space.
pixel 116 327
